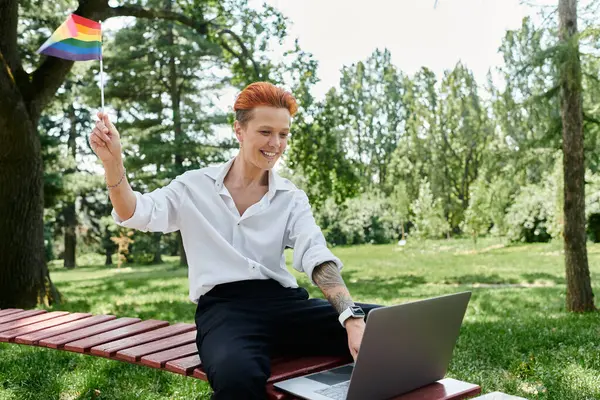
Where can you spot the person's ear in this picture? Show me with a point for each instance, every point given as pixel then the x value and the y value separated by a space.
pixel 237 127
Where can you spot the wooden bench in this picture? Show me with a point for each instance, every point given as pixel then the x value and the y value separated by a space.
pixel 157 344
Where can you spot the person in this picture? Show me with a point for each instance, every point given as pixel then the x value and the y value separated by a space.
pixel 236 220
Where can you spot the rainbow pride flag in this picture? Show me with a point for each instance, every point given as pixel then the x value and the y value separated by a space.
pixel 77 39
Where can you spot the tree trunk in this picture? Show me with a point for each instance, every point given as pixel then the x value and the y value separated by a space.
pixel 579 290
pixel 69 210
pixel 24 277
pixel 70 236
pixel 157 236
pixel 176 102
pixel 182 255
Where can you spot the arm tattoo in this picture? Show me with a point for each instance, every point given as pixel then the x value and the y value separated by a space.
pixel 328 278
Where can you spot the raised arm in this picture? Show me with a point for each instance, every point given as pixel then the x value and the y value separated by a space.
pixel 156 211
pixel 106 143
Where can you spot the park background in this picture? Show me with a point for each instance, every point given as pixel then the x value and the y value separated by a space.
pixel 431 150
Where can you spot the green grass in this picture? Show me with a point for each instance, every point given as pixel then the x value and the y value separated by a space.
pixel 516 337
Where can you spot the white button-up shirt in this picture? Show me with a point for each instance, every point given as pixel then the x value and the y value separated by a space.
pixel 222 246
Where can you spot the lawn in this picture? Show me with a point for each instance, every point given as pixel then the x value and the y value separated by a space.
pixel 516 337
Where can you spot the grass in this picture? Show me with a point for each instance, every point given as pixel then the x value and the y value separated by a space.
pixel 516 338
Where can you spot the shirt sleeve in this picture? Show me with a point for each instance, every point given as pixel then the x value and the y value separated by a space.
pixel 306 238
pixel 157 211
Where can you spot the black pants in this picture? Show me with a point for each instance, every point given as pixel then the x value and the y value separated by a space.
pixel 241 325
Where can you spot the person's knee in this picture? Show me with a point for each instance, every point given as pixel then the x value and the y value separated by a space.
pixel 235 377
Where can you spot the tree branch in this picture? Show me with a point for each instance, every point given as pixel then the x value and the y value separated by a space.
pixel 245 53
pixel 201 27
pixel 139 12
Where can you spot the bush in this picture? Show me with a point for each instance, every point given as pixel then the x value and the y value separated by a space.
pixel 428 213
pixel 368 218
pixel 527 217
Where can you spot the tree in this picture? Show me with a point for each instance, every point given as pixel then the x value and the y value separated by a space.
pixel 579 289
pixel 24 277
pixel 429 217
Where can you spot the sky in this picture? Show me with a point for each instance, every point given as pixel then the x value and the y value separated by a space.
pixel 342 32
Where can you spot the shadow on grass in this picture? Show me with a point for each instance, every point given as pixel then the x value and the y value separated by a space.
pixel 542 276
pixel 470 279
pixel 172 311
pixel 531 357
pixel 36 373
pixel 384 288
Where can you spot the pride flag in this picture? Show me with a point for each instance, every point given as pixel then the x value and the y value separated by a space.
pixel 77 39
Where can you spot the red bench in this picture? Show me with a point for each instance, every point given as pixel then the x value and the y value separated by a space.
pixel 157 344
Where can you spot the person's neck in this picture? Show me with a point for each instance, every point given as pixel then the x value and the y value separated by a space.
pixel 244 174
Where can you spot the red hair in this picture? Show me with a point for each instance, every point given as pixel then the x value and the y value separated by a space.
pixel 262 94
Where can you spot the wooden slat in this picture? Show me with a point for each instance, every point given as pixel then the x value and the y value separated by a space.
pixel 134 354
pixel 158 360
pixel 445 389
pixel 8 311
pixel 7 326
pixel 183 366
pixel 274 394
pixel 10 335
pixel 35 337
pixel 109 349
pixel 19 315
pixel 57 342
pixel 84 345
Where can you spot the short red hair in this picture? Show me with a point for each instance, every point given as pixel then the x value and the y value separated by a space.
pixel 262 94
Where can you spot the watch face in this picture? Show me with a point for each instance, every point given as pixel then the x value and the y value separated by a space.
pixel 357 311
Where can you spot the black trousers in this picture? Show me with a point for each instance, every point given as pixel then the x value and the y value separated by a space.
pixel 241 325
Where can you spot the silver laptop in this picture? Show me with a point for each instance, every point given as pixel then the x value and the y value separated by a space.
pixel 404 347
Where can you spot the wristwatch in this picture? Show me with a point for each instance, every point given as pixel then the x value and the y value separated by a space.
pixel 351 312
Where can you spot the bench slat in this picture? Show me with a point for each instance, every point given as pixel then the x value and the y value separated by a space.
pixel 109 349
pixel 10 335
pixel 444 389
pixel 7 311
pixel 35 337
pixel 84 345
pixel 184 366
pixel 7 326
pixel 158 360
pixel 19 315
pixel 57 342
pixel 134 354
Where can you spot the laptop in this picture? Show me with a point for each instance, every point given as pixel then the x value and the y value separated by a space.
pixel 404 347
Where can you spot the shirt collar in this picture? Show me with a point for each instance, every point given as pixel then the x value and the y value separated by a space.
pixel 276 182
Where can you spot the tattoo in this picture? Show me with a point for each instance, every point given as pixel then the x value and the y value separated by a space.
pixel 328 278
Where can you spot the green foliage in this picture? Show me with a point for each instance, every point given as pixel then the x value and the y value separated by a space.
pixel 428 213
pixel 527 218
pixel 368 218
pixel 592 205
pixel 478 217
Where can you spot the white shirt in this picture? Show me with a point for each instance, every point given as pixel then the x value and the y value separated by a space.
pixel 222 246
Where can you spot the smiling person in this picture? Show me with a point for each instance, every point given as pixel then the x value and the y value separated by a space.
pixel 236 220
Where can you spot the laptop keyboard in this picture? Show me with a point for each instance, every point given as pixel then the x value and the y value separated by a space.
pixel 336 392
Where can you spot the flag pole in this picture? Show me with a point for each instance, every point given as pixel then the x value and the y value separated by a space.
pixel 101 71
